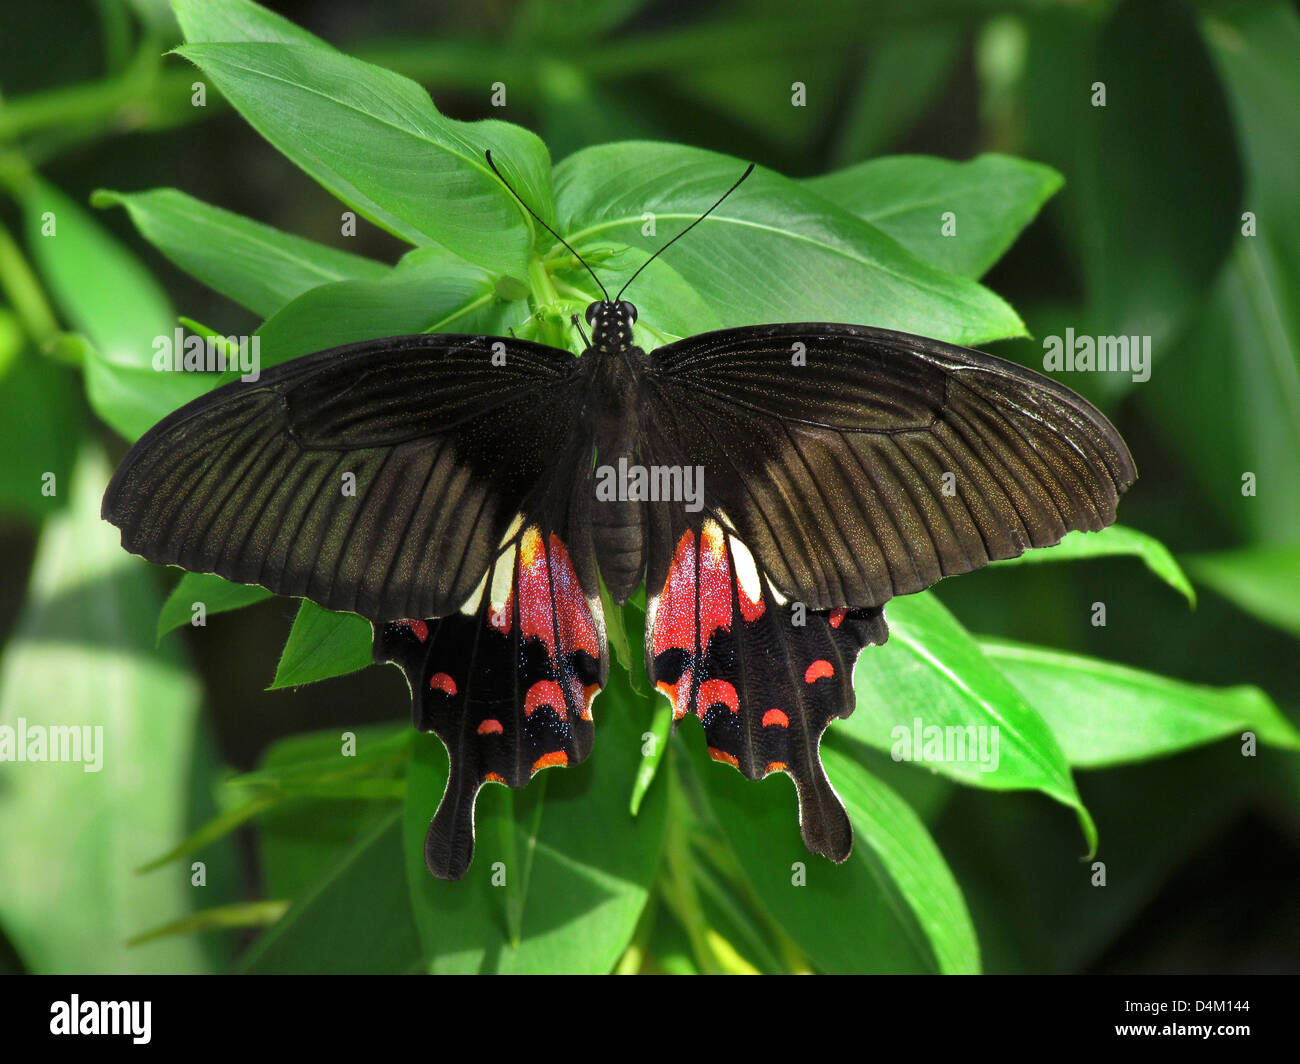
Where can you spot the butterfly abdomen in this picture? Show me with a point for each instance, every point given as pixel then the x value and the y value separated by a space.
pixel 618 528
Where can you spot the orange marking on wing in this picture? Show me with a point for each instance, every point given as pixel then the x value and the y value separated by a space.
pixel 677 694
pixel 777 717
pixel 774 766
pixel 440 681
pixel 837 617
pixel 555 757
pixel 724 757
pixel 492 777
pixel 713 692
pixel 491 726
pixel 545 693
pixel 417 628
pixel 819 668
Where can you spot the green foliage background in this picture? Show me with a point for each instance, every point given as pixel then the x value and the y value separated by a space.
pixel 1121 743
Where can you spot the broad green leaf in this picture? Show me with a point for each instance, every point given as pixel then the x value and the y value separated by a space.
pixel 323 643
pixel 256 265
pixel 931 681
pixel 1238 431
pixel 121 319
pixel 1106 714
pixel 238 20
pixel 376 141
pixel 991 199
pixel 774 252
pixel 301 838
pixel 906 68
pixel 39 431
pixel 83 656
pixel 1145 267
pixel 215 593
pixel 887 824
pixel 355 917
pixel 431 290
pixel 847 918
pixel 1264 581
pixel 579 864
pixel 1115 540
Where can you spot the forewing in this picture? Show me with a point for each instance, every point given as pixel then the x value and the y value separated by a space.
pixel 378 478
pixel 859 464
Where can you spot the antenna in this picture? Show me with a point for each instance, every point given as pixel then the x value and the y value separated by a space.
pixel 693 224
pixel 553 233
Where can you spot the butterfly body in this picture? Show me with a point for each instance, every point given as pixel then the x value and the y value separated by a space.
pixel 790 480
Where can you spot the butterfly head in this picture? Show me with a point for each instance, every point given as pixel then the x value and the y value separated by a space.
pixel 611 324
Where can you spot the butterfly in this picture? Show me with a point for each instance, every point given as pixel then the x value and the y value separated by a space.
pixel 774 486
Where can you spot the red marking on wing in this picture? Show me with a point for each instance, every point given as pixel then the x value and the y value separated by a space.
pixel 774 766
pixel 493 777
pixel 723 756
pixel 819 668
pixel 554 610
pixel 837 617
pixel 440 681
pixel 715 692
pixel 777 717
pixel 545 693
pixel 555 757
pixel 417 628
pixel 491 726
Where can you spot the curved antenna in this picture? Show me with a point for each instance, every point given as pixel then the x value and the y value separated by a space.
pixel 749 170
pixel 553 233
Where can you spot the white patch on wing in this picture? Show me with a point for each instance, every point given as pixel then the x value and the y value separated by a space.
pixel 746 570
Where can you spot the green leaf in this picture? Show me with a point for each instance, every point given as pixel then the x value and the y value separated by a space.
pixel 375 140
pixel 323 643
pixel 890 827
pixel 1115 540
pixel 39 432
pixel 431 290
pixel 301 838
pixel 216 593
pixel 906 68
pixel 583 872
pixel 220 918
pixel 847 918
pixel 354 918
pixel 1263 581
pixel 120 319
pixel 992 198
pixel 1145 268
pixel 1106 714
pixel 1226 425
pixel 256 265
pixel 83 656
pixel 932 675
pixel 238 20
pixel 774 252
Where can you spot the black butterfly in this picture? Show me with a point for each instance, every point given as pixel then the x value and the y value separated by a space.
pixel 774 486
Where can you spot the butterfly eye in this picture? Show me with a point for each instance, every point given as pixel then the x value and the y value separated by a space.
pixel 591 313
pixel 628 310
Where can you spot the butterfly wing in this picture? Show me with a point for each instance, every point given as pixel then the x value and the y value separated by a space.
pixel 859 464
pixel 842 466
pixel 465 539
pixel 378 478
pixel 507 683
pixel 763 677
